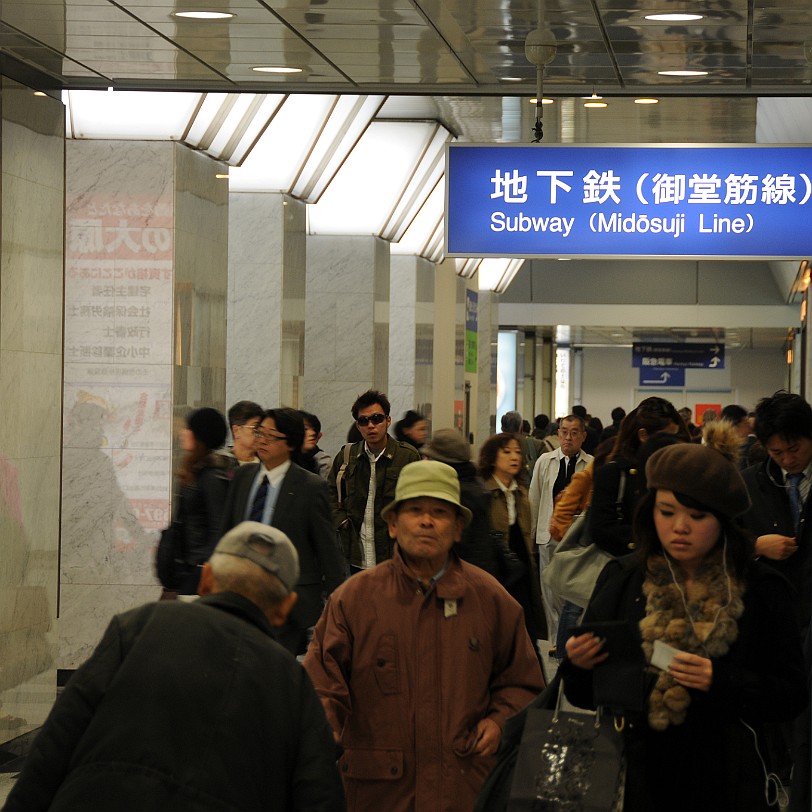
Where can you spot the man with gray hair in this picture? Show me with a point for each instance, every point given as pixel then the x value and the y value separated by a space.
pixel 192 706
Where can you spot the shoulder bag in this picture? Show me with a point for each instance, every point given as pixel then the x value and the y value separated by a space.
pixel 576 564
pixel 170 564
pixel 568 761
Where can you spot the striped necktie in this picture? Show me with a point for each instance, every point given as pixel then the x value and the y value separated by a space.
pixel 258 505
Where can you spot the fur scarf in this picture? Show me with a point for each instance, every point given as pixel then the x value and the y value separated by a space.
pixel 709 631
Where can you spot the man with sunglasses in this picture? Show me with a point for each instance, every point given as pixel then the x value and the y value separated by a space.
pixel 362 480
pixel 278 492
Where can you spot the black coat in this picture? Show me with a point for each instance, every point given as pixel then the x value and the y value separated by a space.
pixel 477 546
pixel 184 706
pixel 200 508
pixel 708 763
pixel 610 527
pixel 770 512
pixel 302 512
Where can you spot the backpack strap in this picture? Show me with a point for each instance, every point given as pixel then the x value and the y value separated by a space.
pixel 347 449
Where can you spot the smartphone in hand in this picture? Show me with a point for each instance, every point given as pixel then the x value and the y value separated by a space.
pixel 619 636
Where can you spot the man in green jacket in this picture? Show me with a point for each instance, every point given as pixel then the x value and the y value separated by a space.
pixel 362 480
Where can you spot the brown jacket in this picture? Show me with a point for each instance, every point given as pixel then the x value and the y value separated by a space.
pixel 405 677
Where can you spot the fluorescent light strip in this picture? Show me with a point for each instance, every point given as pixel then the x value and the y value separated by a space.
pixel 275 69
pixel 674 18
pixel 682 72
pixel 203 15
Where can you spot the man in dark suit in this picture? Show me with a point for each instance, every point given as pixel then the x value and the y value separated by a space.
pixel 277 492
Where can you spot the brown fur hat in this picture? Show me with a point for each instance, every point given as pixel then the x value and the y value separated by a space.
pixel 707 473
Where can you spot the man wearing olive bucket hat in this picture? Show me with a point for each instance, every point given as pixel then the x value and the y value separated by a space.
pixel 419 660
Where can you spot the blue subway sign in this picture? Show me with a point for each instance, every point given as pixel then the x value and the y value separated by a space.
pixel 628 201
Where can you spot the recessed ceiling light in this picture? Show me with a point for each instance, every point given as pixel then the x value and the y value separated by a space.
pixel 39 93
pixel 275 69
pixel 221 177
pixel 511 78
pixel 203 15
pixel 564 259
pixel 674 18
pixel 682 72
pixel 543 101
pixel 646 101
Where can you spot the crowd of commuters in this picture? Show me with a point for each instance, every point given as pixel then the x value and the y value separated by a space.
pixel 407 580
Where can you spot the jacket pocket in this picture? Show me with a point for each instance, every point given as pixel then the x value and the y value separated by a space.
pixel 371 765
pixel 387 674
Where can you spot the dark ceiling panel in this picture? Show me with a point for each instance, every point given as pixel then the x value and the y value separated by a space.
pixel 417 46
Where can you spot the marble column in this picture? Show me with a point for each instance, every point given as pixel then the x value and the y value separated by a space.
pixel 145 299
pixel 411 339
pixel 447 377
pixel 346 328
pixel 32 170
pixel 484 419
pixel 266 295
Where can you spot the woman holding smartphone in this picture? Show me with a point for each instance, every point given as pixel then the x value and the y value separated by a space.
pixel 716 650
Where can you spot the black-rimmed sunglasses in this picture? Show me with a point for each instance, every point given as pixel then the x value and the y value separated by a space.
pixel 375 419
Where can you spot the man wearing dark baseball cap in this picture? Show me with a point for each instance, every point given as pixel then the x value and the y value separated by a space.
pixel 419 660
pixel 192 706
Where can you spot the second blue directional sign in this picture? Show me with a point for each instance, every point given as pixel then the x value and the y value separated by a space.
pixel 684 356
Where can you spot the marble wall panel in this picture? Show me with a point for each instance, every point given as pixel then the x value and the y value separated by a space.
pixel 201 256
pixel 145 301
pixel 32 236
pixel 484 417
pixel 32 251
pixel 255 280
pixel 345 345
pixel 402 333
pixel 88 608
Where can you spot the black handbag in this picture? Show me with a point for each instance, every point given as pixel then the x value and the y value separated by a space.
pixel 170 564
pixel 511 568
pixel 567 762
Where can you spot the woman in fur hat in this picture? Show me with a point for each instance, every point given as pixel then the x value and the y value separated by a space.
pixel 693 720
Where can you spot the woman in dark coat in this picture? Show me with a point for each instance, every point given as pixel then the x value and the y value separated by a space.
pixel 610 522
pixel 500 464
pixel 203 482
pixel 694 720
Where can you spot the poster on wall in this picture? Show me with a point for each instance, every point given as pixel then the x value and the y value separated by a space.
pixel 118 378
pixel 701 408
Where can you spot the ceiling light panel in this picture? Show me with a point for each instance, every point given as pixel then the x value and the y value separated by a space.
pixel 276 159
pixel 367 188
pixel 427 174
pixel 340 132
pixel 497 274
pixel 129 115
pixel 421 236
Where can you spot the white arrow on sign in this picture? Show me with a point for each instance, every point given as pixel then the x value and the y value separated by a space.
pixel 664 377
pixel 714 362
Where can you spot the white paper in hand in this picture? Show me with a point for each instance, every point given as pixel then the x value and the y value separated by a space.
pixel 662 655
